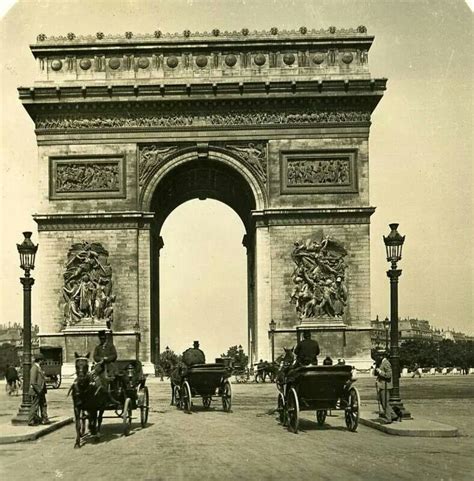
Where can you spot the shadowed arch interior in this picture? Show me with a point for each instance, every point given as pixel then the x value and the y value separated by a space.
pixel 201 179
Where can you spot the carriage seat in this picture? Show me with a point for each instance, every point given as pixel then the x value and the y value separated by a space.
pixel 207 367
pixel 123 366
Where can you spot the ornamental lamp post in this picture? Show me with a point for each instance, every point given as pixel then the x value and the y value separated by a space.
pixel 393 245
pixel 27 251
pixel 272 326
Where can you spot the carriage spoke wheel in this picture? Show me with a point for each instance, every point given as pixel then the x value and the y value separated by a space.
pixel 282 415
pixel 186 400
pixel 144 405
pixel 127 416
pixel 352 409
pixel 227 397
pixel 206 401
pixel 321 416
pixel 293 410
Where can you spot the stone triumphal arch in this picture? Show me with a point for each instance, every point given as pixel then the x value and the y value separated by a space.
pixel 275 124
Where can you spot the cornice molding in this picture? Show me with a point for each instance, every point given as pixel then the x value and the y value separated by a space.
pixel 218 90
pixel 157 37
pixel 99 221
pixel 327 216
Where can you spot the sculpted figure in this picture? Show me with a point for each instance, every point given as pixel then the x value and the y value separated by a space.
pixel 319 289
pixel 87 284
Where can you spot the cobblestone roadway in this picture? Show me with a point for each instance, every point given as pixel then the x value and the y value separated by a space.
pixel 248 444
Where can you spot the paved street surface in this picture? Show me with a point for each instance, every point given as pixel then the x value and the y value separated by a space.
pixel 249 444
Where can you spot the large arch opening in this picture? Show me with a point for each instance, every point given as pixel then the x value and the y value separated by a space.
pixel 175 201
pixel 203 276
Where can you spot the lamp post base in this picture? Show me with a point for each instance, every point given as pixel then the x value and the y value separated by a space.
pixel 22 416
pixel 400 410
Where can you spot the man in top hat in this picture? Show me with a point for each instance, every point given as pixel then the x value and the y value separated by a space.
pixel 38 410
pixel 307 350
pixel 194 355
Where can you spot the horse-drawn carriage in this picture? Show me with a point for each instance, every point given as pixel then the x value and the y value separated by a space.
pixel 205 381
pixel 52 366
pixel 319 389
pixel 127 392
pixel 265 369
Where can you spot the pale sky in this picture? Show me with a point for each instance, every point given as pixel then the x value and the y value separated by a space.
pixel 420 154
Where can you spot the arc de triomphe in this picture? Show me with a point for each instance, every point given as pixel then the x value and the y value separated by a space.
pixel 274 124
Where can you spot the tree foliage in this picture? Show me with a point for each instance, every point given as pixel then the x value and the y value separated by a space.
pixel 238 357
pixel 445 353
pixel 168 361
pixel 8 355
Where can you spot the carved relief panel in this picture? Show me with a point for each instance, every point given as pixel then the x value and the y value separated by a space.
pixel 87 177
pixel 319 278
pixel 317 172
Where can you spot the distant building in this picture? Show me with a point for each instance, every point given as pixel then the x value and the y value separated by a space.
pixel 413 329
pixel 13 334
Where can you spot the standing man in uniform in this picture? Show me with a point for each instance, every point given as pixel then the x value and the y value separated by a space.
pixel 384 385
pixel 307 350
pixel 38 411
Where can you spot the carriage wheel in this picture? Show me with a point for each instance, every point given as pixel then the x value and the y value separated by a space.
pixel 206 401
pixel 293 411
pixel 282 415
pixel 186 400
pixel 127 416
pixel 144 405
pixel 227 396
pixel 321 416
pixel 57 382
pixel 352 409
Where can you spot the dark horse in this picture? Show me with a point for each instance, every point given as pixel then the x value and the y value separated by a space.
pixel 88 397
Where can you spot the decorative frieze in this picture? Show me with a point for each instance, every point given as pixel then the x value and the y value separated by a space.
pixel 228 118
pixel 318 172
pixel 320 290
pixel 96 177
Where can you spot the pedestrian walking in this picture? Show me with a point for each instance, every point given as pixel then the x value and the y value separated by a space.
pixel 11 376
pixel 416 371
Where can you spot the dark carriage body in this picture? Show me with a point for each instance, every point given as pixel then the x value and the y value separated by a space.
pixel 52 365
pixel 319 389
pixel 126 391
pixel 129 381
pixel 206 381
